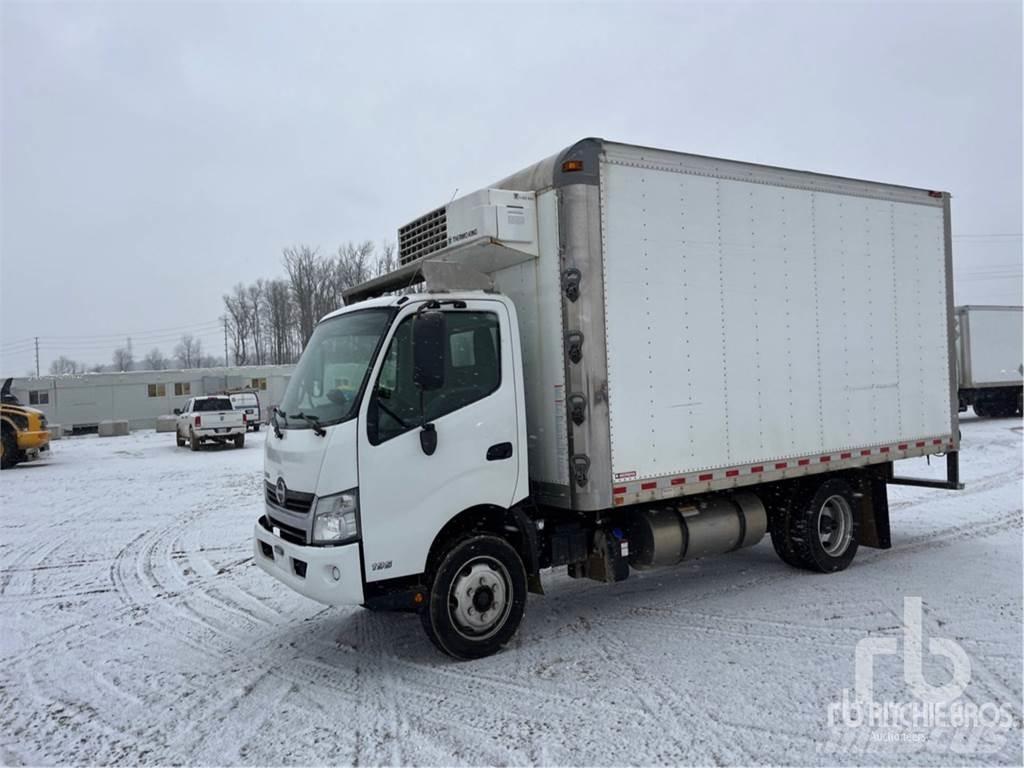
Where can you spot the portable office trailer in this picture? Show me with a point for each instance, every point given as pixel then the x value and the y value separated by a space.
pixel 79 402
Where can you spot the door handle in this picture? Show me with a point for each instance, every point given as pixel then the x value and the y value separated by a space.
pixel 499 451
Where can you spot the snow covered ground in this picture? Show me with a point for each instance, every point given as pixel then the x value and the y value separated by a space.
pixel 136 629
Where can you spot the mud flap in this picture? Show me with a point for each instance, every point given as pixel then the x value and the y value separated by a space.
pixel 874 511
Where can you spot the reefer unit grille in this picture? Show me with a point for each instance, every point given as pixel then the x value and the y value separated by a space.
pixel 422 236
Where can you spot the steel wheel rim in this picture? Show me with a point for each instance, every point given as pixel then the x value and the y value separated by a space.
pixel 835 525
pixel 480 598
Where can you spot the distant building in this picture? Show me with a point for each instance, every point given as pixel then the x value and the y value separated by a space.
pixel 81 401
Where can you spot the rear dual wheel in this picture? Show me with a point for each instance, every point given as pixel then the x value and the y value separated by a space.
pixel 477 598
pixel 818 528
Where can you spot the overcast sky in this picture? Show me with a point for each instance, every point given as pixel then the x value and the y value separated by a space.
pixel 153 155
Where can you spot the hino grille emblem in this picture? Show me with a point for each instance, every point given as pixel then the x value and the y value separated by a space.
pixel 281 491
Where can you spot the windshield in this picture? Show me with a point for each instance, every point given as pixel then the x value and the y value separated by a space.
pixel 330 374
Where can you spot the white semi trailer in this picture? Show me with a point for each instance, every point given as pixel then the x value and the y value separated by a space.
pixel 623 358
pixel 990 351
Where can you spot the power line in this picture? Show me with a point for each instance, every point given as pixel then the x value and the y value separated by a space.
pixel 150 334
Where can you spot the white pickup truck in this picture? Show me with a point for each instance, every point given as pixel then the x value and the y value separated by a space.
pixel 211 420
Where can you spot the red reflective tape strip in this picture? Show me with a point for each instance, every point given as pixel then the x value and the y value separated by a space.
pixel 884 449
pixel 678 480
pixel 619 489
pixel 781 465
pixel 902 446
pixel 804 462
pixel 920 443
pixel 825 459
pixel 937 441
pixel 755 470
pixel 732 472
pixel 844 455
pixel 648 486
pixel 866 452
pixel 705 477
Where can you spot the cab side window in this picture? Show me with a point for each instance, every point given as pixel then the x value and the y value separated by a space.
pixel 472 372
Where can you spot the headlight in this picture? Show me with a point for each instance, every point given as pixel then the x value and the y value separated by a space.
pixel 336 518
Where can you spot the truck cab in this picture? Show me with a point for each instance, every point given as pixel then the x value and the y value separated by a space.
pixel 403 414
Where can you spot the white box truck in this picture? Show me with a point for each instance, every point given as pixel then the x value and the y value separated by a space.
pixel 622 358
pixel 990 350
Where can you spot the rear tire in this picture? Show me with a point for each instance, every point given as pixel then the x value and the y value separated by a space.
pixel 981 410
pixel 821 531
pixel 477 598
pixel 193 441
pixel 239 441
pixel 9 453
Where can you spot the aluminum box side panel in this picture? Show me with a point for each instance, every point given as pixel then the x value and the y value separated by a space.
pixel 534 287
pixel 991 346
pixel 748 322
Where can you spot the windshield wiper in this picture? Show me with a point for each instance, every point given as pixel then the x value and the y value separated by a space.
pixel 313 421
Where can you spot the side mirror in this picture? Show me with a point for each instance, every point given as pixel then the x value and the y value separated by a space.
pixel 428 335
pixel 177 411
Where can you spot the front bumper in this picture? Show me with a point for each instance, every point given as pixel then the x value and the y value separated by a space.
pixel 311 571
pixel 34 441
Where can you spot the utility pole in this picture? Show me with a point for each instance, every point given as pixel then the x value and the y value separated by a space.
pixel 37 356
pixel 128 346
pixel 225 319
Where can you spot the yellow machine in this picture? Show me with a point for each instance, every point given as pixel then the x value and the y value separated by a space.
pixel 25 435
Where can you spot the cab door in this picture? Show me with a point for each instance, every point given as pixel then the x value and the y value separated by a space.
pixel 406 494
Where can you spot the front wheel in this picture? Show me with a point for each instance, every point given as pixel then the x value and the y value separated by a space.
pixel 179 439
pixel 477 598
pixel 9 453
pixel 256 427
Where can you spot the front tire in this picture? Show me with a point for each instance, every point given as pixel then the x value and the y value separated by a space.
pixel 179 439
pixel 821 531
pixel 477 598
pixel 9 453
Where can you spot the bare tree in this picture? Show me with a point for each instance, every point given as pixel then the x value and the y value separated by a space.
pixel 155 360
pixel 188 351
pixel 255 294
pixel 387 261
pixel 123 359
pixel 279 321
pixel 63 365
pixel 302 264
pixel 237 305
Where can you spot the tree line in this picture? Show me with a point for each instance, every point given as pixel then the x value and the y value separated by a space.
pixel 268 321
pixel 188 353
